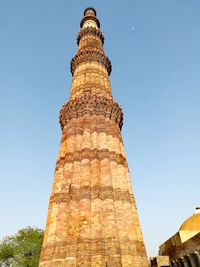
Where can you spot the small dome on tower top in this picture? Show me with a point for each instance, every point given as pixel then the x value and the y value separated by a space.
pixel 90 11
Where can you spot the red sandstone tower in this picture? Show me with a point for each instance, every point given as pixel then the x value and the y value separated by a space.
pixel 92 218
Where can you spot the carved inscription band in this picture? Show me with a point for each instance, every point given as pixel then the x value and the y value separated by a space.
pixel 89 56
pixel 88 247
pixel 89 71
pixel 91 104
pixel 91 193
pixel 91 154
pixel 75 129
pixel 89 85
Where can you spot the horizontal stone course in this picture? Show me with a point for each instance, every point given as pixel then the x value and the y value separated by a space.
pixel 88 247
pixel 91 154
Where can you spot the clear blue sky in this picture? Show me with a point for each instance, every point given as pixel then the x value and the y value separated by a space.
pixel 154 46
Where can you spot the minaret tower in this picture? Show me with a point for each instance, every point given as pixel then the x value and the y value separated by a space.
pixel 92 217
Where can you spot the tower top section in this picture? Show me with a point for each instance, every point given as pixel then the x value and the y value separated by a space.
pixel 90 19
pixel 90 10
pixel 90 51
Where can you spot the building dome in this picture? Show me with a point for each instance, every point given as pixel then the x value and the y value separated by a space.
pixel 192 223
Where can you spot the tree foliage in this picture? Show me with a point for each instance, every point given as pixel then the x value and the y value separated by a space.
pixel 22 249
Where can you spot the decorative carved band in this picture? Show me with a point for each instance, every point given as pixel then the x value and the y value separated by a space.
pixel 89 70
pixel 89 56
pixel 91 247
pixel 75 130
pixel 91 154
pixel 92 86
pixel 90 31
pixel 91 104
pixel 91 193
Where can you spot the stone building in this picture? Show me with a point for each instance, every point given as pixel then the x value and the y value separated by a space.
pixel 92 217
pixel 159 261
pixel 183 248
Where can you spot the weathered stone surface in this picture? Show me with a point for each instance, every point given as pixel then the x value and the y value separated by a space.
pixel 92 218
pixel 159 261
pixel 92 78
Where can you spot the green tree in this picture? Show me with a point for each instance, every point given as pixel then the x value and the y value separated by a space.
pixel 22 249
pixel 7 252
